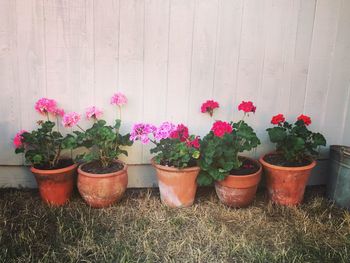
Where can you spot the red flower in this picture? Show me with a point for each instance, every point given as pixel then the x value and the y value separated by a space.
pixel 305 119
pixel 220 128
pixel 194 143
pixel 181 133
pixel 278 119
pixel 247 106
pixel 209 107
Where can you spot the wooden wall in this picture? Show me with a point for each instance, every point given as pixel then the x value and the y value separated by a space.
pixel 168 56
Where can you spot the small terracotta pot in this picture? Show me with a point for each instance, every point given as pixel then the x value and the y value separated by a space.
pixel 239 190
pixel 177 186
pixel 55 186
pixel 102 190
pixel 286 185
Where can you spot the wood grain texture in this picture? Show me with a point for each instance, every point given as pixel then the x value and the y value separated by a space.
pixel 168 56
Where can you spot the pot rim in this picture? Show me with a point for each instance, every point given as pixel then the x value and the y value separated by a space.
pixel 173 169
pixel 81 172
pixel 286 168
pixel 53 171
pixel 247 175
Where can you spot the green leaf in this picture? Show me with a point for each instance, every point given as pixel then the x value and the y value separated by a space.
pixel 117 124
pixel 277 134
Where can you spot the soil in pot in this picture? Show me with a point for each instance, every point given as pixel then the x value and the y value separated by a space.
pixel 286 184
pixel 61 164
pixel 239 188
pixel 56 185
pixel 102 189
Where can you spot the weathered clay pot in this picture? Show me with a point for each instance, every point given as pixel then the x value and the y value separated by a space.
pixel 238 190
pixel 177 186
pixel 55 186
pixel 286 185
pixel 102 190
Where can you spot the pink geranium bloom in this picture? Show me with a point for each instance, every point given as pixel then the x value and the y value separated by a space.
pixel 44 106
pixel 220 128
pixel 209 107
pixel 17 141
pixel 141 131
pixel 247 106
pixel 70 119
pixel 58 112
pixel 119 99
pixel 93 112
pixel 164 130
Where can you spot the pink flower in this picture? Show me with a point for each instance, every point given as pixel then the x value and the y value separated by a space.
pixel 44 106
pixel 17 141
pixel 119 99
pixel 181 133
pixel 164 130
pixel 220 128
pixel 58 112
pixel 209 107
pixel 247 106
pixel 93 112
pixel 141 131
pixel 194 143
pixel 70 119
pixel 305 119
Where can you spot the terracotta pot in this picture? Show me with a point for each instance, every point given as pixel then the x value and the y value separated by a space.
pixel 102 190
pixel 55 186
pixel 239 190
pixel 177 186
pixel 286 185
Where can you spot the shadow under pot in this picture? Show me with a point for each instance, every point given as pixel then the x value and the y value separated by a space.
pixel 286 185
pixel 239 190
pixel 56 185
pixel 177 187
pixel 102 189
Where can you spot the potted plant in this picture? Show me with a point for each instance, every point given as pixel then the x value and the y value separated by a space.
pixel 288 169
pixel 102 178
pixel 43 149
pixel 236 177
pixel 175 162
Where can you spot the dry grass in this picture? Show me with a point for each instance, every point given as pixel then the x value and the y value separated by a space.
pixel 141 229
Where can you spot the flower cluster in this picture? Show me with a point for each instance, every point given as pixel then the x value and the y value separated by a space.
pixel 164 130
pixel 93 112
pixel 209 106
pixel 279 118
pixel 70 119
pixel 220 128
pixel 119 99
pixel 180 133
pixel 247 106
pixel 141 131
pixel 45 106
pixel 17 141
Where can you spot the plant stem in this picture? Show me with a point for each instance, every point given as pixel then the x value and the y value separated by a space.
pixel 80 128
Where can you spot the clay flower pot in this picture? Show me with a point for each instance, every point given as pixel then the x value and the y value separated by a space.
pixel 177 186
pixel 239 190
pixel 102 190
pixel 55 186
pixel 286 185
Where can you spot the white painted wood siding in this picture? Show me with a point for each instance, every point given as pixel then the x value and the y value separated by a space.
pixel 168 56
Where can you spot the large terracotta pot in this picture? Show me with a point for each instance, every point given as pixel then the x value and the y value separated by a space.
pixel 239 190
pixel 286 185
pixel 55 186
pixel 102 190
pixel 177 186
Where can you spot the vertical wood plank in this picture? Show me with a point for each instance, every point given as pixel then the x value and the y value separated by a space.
pixel 179 61
pixel 155 64
pixel 10 121
pixel 203 63
pixel 131 55
pixel 106 57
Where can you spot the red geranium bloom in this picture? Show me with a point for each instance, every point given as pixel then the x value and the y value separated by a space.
pixel 220 128
pixel 247 106
pixel 209 107
pixel 278 119
pixel 181 133
pixel 194 143
pixel 305 119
